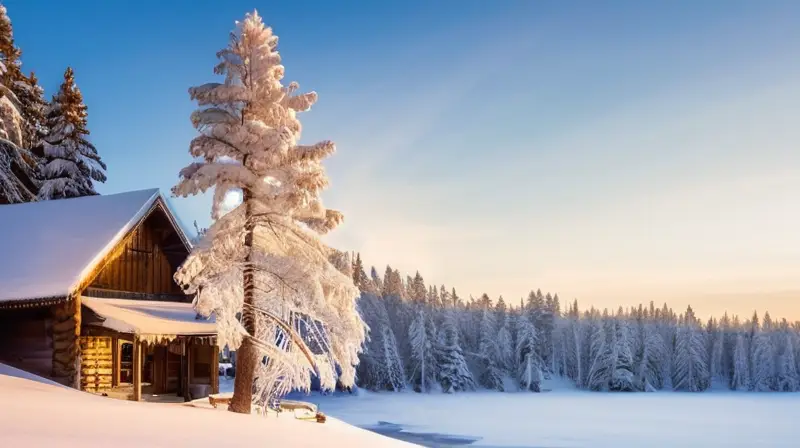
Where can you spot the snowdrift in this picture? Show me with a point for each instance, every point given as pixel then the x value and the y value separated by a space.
pixel 37 412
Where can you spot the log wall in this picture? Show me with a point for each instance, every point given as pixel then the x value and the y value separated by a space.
pixel 66 347
pixel 26 340
pixel 97 363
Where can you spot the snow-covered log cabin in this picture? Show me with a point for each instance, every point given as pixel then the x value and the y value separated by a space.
pixel 87 297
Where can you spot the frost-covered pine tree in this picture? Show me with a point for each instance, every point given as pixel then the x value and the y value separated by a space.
pixel 262 268
pixel 740 380
pixel 381 366
pixel 622 377
pixel 17 163
pixel 650 372
pixel 505 343
pixel 492 363
pixel 599 360
pixel 763 362
pixel 11 121
pixel 690 367
pixel 787 378
pixel 716 340
pixel 529 364
pixel 71 162
pixel 422 339
pixel 454 374
pixel 32 109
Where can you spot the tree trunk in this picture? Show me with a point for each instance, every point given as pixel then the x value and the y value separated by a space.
pixel 247 355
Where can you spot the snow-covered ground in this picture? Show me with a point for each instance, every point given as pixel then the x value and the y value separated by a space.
pixel 36 412
pixel 569 418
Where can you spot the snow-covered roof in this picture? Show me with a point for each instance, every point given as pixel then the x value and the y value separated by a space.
pixel 47 248
pixel 150 320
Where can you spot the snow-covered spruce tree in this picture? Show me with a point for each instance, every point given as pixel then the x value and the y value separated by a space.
pixel 715 338
pixel 764 368
pixel 690 367
pixel 71 162
pixel 787 378
pixel 529 364
pixel 622 377
pixel 381 367
pixel 454 375
pixel 32 109
pixel 422 339
pixel 262 268
pixel 505 343
pixel 650 370
pixel 376 280
pixel 599 361
pixel 573 346
pixel 11 121
pixel 492 365
pixel 740 380
pixel 17 164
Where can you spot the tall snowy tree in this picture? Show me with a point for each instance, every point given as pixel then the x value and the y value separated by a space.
pixel 740 380
pixel 650 372
pixel 691 362
pixel 454 374
pixel 32 109
pixel 11 121
pixel 381 366
pixel 598 360
pixel 71 162
pixel 505 343
pixel 262 267
pixel 17 163
pixel 492 373
pixel 622 376
pixel 529 364
pixel 787 378
pixel 422 339
pixel 763 361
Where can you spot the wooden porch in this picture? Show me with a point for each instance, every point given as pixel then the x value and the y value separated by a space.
pixel 124 366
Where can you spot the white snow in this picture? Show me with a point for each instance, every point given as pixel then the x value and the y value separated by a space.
pixel 46 247
pixel 35 413
pixel 148 318
pixel 571 418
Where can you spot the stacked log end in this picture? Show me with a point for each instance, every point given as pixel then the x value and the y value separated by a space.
pixel 66 349
pixel 96 364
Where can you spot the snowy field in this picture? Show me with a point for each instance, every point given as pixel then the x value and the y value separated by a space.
pixel 565 418
pixel 39 413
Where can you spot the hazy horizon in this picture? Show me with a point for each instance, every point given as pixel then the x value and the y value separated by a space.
pixel 616 153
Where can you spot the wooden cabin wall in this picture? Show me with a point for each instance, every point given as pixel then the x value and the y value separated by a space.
pixel 66 346
pixel 142 265
pixel 97 363
pixel 26 340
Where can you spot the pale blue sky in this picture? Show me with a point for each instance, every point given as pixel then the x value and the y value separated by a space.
pixel 615 152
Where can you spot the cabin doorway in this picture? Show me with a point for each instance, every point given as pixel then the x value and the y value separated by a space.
pixel 126 362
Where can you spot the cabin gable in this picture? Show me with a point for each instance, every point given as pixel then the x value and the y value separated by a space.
pixel 143 263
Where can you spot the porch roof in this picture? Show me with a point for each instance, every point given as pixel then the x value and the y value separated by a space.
pixel 153 321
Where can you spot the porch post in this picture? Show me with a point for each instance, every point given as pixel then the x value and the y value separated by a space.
pixel 214 367
pixel 116 359
pixel 189 369
pixel 137 369
pixel 184 376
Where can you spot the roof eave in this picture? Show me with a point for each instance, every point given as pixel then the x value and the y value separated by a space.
pixel 33 302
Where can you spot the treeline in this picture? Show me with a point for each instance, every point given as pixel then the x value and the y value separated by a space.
pixel 44 150
pixel 425 338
